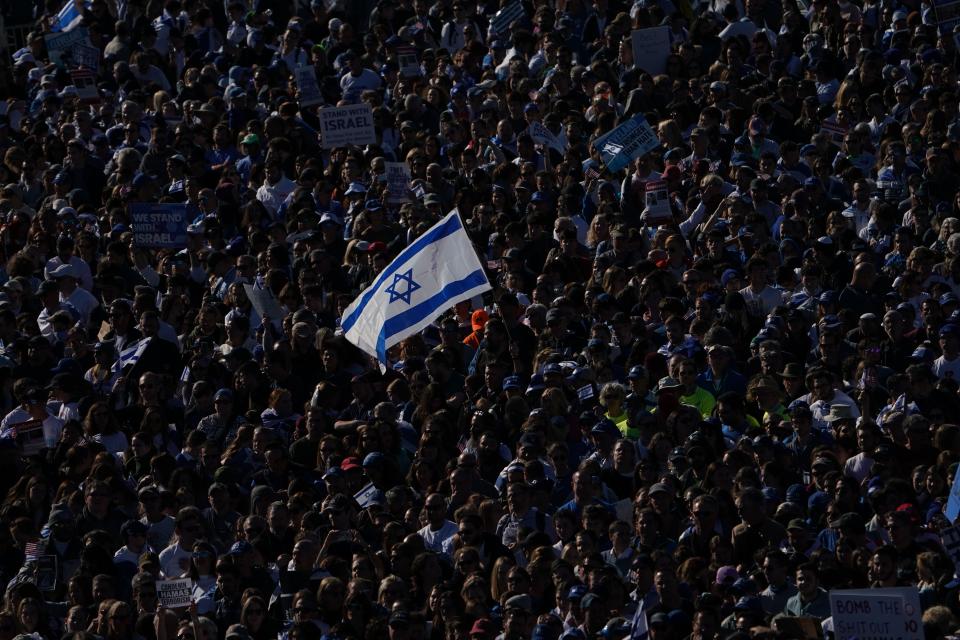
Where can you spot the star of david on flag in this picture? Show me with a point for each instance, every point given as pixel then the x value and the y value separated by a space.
pixel 435 272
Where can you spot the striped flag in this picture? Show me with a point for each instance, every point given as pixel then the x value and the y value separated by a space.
pixel 30 551
pixel 131 355
pixel 638 628
pixel 70 15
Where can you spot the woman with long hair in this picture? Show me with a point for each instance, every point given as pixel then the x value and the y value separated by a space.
pixel 254 617
pixel 101 425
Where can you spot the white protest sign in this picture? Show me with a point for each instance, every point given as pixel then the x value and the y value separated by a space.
pixel 657 200
pixel 175 593
pixel 398 182
pixel 62 47
pixel 86 83
pixel 651 48
pixel 265 304
pixel 342 126
pixel 407 61
pixel 880 614
pixel 308 91
pixel 542 135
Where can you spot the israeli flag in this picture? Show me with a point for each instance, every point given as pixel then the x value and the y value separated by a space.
pixel 131 355
pixel 69 15
pixel 438 270
pixel 638 626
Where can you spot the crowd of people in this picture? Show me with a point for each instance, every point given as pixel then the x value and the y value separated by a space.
pixel 684 422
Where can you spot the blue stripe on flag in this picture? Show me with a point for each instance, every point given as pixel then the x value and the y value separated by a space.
pixel 426 308
pixel 449 227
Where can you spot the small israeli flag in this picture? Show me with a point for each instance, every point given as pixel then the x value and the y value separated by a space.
pixel 131 355
pixel 69 15
pixel 438 270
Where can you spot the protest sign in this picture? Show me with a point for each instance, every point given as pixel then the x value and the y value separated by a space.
pixel 85 80
pixel 407 61
pixel 61 47
pixel 308 91
pixel 630 140
pixel 175 593
pixel 542 135
pixel 951 542
pixel 650 49
pixel 161 225
pixel 505 17
pixel 342 126
pixel 398 182
pixel 881 614
pixel 953 502
pixel 30 438
pixel 45 573
pixel 657 200
pixel 265 304
pixel 836 132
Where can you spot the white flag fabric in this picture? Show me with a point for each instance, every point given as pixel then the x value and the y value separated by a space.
pixel 438 270
pixel 638 626
pixel 131 355
pixel 69 15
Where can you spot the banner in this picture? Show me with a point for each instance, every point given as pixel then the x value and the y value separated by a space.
pixel 61 47
pixel 542 135
pixel 308 91
pixel 86 56
pixel 657 200
pixel 174 594
pixel 879 614
pixel 342 126
pixel 630 140
pixel 161 226
pixel 408 62
pixel 505 17
pixel 650 49
pixel 398 182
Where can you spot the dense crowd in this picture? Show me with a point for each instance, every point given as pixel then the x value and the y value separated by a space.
pixel 713 413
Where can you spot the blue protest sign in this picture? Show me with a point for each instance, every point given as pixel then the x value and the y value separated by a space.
pixel 161 226
pixel 630 140
pixel 953 502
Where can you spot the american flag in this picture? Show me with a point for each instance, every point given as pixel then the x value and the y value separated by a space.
pixel 30 551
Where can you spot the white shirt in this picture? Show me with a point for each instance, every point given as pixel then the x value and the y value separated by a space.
pixel 434 540
pixel 944 368
pixel 352 86
pixel 273 195
pixel 858 467
pixel 83 301
pixel 762 303
pixel 160 532
pixel 174 560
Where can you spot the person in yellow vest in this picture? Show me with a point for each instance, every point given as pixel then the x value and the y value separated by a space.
pixel 766 394
pixel 693 394
pixel 613 398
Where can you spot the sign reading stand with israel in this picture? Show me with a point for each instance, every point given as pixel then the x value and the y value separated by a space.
pixel 438 270
pixel 630 140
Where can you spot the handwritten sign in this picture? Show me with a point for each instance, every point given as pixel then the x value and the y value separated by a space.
pixel 407 61
pixel 174 594
pixel 308 91
pixel 542 135
pixel 650 49
pixel 343 126
pixel 630 140
pixel 161 225
pixel 398 182
pixel 265 304
pixel 880 614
